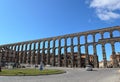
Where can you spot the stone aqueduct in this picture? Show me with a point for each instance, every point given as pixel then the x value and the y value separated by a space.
pixel 34 51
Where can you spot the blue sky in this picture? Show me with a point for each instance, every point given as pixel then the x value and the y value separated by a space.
pixel 22 20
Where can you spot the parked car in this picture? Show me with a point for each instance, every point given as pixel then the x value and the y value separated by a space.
pixel 89 68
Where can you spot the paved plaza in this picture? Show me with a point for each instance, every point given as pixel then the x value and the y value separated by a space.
pixel 71 75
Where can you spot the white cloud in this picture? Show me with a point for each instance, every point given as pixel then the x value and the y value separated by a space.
pixel 105 9
pixel 107 15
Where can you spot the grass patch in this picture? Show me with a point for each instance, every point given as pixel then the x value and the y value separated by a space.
pixel 29 72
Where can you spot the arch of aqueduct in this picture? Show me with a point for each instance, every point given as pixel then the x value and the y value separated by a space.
pixel 35 51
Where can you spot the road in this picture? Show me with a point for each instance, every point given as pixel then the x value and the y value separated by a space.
pixel 71 75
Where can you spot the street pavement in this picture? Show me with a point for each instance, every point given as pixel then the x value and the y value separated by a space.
pixel 71 75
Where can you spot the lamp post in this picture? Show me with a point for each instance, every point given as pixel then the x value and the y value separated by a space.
pixel 1 53
pixel 0 63
pixel 0 68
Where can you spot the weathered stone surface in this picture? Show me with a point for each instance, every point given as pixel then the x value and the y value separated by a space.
pixel 47 51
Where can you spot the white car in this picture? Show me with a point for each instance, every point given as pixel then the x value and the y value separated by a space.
pixel 89 68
